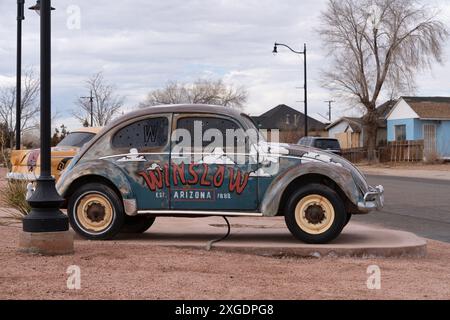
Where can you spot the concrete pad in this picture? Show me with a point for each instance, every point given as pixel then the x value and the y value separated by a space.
pixel 46 243
pixel 269 236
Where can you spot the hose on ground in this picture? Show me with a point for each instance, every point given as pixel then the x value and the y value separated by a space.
pixel 210 244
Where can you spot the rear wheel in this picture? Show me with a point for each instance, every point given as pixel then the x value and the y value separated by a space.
pixel 315 214
pixel 137 224
pixel 96 212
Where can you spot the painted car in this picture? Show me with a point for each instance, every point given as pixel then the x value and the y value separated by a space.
pixel 26 163
pixel 138 168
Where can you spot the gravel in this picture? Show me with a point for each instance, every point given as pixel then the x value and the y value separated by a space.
pixel 117 270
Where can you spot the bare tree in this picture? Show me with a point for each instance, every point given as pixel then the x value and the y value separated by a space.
pixel 29 105
pixel 378 46
pixel 200 92
pixel 106 103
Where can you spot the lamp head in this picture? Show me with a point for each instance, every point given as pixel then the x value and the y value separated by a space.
pixel 275 49
pixel 37 7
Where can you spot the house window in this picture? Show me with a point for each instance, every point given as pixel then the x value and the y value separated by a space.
pixel 400 133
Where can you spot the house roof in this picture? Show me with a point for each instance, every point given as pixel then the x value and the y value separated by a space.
pixel 384 109
pixel 354 123
pixel 282 108
pixel 430 107
pixel 275 118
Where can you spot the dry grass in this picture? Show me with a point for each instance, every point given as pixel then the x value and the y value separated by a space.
pixel 13 196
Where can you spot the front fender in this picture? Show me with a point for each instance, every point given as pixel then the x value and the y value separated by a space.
pixel 101 168
pixel 340 175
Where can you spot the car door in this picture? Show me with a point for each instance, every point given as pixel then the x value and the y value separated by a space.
pixel 211 174
pixel 142 151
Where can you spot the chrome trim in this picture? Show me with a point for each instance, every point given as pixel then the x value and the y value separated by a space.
pixel 201 213
pixel 373 199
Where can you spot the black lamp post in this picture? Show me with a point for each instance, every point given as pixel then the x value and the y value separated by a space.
pixel 45 216
pixel 275 51
pixel 20 18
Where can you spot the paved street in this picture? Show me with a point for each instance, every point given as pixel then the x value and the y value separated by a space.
pixel 421 206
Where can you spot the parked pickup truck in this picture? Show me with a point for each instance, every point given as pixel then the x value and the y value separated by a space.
pixel 171 161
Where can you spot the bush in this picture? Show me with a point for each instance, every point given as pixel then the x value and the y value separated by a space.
pixel 13 196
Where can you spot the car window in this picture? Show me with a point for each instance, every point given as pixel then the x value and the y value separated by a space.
pixel 148 133
pixel 327 144
pixel 207 123
pixel 76 139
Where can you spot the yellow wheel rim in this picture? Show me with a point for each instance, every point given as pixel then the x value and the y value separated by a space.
pixel 94 212
pixel 314 214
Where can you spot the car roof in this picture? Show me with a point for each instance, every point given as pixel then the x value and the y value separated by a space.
pixel 324 138
pixel 177 108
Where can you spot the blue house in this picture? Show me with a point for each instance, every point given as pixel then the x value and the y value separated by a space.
pixel 422 118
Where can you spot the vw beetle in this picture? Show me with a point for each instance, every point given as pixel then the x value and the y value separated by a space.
pixel 134 170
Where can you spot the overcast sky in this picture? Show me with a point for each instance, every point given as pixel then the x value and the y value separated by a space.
pixel 142 44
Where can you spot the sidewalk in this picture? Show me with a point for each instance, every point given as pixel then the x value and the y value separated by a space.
pixel 412 172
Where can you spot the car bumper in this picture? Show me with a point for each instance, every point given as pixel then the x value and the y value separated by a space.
pixel 373 200
pixel 21 176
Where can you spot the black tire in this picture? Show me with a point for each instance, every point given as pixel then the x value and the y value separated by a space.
pixel 109 202
pixel 347 221
pixel 137 224
pixel 332 229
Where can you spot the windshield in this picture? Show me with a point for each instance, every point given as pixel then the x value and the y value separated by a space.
pixel 327 144
pixel 76 139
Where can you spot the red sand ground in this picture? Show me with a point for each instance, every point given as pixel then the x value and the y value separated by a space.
pixel 115 270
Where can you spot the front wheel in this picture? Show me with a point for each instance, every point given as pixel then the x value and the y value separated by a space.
pixel 96 212
pixel 315 214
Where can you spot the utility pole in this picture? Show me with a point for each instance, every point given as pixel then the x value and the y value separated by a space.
pixel 329 109
pixel 91 101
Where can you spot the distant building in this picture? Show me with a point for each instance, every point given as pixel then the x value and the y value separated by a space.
pixel 350 131
pixel 422 118
pixel 290 123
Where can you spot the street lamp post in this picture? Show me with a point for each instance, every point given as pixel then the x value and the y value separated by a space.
pixel 20 18
pixel 275 51
pixel 46 227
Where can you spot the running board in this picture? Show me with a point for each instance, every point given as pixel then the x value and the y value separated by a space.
pixel 199 213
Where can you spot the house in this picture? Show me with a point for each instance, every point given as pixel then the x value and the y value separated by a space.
pixel 422 118
pixel 290 123
pixel 350 131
